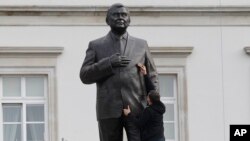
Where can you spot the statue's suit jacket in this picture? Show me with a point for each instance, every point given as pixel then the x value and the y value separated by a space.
pixel 118 87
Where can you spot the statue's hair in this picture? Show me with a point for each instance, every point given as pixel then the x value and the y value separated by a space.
pixel 111 9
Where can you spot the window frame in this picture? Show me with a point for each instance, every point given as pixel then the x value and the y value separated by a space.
pixel 34 60
pixel 24 100
pixel 172 100
pixel 49 99
pixel 178 72
pixel 172 60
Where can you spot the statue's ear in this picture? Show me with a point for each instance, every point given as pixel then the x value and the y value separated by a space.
pixel 107 20
pixel 129 20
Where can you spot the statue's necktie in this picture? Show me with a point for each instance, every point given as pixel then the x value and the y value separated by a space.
pixel 122 43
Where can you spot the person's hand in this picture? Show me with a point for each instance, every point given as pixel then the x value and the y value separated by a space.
pixel 142 68
pixel 119 61
pixel 126 111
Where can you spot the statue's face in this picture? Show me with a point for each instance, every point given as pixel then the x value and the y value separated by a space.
pixel 119 19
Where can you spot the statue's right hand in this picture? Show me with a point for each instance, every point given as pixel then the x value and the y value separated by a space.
pixel 119 61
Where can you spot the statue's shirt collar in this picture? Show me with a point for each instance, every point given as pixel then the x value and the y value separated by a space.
pixel 116 37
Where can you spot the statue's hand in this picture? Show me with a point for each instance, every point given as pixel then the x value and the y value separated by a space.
pixel 119 61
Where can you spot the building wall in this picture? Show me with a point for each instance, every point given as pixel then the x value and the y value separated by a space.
pixel 130 2
pixel 217 71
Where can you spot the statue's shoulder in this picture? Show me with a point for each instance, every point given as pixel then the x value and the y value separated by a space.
pixel 100 40
pixel 138 40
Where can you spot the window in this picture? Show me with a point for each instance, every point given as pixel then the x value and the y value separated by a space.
pixel 24 107
pixel 168 91
pixel 28 96
pixel 171 66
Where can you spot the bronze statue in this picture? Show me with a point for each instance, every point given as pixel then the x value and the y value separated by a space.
pixel 110 62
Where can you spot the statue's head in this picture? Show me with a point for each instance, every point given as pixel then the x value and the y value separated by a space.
pixel 118 18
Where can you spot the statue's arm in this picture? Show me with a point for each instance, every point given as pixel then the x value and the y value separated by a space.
pixel 150 66
pixel 92 71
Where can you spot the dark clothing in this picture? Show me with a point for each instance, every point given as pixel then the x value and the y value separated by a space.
pixel 149 84
pixel 150 122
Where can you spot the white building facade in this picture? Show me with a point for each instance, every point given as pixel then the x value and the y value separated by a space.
pixel 201 50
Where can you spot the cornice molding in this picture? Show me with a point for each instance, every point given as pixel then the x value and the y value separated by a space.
pixel 27 51
pixel 140 15
pixel 33 56
pixel 80 8
pixel 40 50
pixel 171 51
